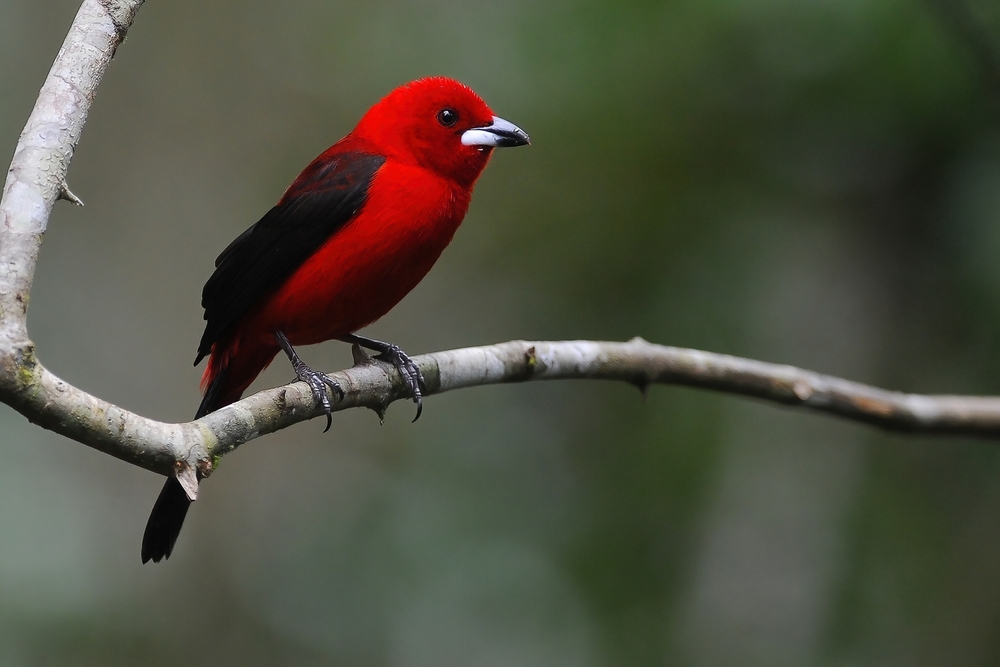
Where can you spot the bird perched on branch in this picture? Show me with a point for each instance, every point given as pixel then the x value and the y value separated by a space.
pixel 352 235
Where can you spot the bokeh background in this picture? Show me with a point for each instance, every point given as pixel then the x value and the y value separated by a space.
pixel 814 183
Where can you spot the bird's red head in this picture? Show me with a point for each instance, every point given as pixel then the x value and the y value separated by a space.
pixel 439 124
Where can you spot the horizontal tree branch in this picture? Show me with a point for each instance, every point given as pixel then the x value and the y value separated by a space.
pixel 37 178
pixel 375 384
pixel 161 447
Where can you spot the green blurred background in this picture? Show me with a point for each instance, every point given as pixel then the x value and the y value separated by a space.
pixel 814 183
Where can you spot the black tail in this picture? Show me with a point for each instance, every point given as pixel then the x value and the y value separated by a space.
pixel 165 521
pixel 167 518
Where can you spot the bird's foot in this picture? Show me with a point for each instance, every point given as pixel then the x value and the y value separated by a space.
pixel 401 361
pixel 410 372
pixel 318 382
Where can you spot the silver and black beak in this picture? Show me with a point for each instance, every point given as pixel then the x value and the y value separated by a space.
pixel 499 133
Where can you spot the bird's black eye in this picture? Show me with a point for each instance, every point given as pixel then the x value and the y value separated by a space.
pixel 447 117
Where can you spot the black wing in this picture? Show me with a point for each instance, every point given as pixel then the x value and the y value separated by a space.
pixel 321 201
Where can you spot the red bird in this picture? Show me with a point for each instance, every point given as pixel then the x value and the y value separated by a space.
pixel 351 236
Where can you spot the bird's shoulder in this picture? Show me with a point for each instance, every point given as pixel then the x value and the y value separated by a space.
pixel 337 171
pixel 328 193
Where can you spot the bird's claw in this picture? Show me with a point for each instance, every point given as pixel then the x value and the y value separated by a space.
pixel 318 382
pixel 410 372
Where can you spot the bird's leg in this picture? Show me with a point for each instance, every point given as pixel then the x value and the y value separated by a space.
pixel 390 353
pixel 318 382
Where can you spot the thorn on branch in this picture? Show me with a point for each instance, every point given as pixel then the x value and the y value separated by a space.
pixel 802 390
pixel 361 358
pixel 188 478
pixel 67 194
pixel 643 386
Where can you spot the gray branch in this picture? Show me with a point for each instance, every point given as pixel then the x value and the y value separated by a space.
pixel 37 179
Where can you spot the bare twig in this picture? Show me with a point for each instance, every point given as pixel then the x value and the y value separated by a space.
pixel 37 179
